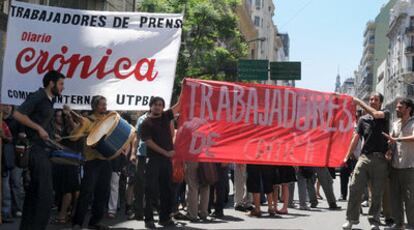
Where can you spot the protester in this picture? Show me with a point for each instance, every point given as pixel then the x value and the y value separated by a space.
pixel 372 167
pixel 7 167
pixel 157 135
pixel 401 153
pixel 66 177
pixel 140 158
pixel 95 184
pixel 258 176
pixel 283 175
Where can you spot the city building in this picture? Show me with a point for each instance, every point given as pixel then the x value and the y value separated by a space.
pixel 247 28
pixel 381 42
pixel 399 76
pixel 262 12
pixel 338 83
pixel 348 87
pixel 364 78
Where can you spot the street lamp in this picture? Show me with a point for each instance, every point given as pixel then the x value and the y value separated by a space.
pixel 262 39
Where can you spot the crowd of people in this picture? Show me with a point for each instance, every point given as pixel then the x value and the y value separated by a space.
pixel 378 170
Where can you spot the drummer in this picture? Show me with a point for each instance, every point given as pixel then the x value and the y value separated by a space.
pixel 97 172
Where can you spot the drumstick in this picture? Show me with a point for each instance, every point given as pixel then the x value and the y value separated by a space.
pixel 58 145
pixel 71 136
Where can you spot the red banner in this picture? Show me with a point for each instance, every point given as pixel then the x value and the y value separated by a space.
pixel 263 124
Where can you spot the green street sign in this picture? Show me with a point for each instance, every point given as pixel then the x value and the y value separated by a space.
pixel 253 69
pixel 285 70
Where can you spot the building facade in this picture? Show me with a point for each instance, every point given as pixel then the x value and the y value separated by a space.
pixel 348 87
pixel 247 28
pixel 262 12
pixel 364 78
pixel 399 77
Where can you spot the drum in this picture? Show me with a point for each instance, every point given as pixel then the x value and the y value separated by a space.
pixel 110 135
pixel 66 157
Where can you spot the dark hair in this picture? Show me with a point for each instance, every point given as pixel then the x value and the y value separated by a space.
pixel 381 97
pixel 408 103
pixel 96 100
pixel 52 75
pixel 153 100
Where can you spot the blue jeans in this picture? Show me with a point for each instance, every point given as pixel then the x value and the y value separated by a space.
pixel 6 194
pixel 16 181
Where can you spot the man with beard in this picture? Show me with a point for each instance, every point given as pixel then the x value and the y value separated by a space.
pixel 402 171
pixel 36 113
pixel 156 133
pixel 372 167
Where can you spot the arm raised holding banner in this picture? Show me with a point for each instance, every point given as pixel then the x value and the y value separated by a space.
pixel 373 109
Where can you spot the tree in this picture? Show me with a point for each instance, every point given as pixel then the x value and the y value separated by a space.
pixel 211 40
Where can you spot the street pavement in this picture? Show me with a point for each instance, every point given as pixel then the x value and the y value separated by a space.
pixel 319 218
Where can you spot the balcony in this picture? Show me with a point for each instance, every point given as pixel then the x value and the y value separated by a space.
pixel 407 75
pixel 409 30
pixel 409 51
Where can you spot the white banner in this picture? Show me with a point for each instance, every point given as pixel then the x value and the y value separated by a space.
pixel 127 57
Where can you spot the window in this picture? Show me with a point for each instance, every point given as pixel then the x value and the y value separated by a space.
pixel 262 23
pixel 258 4
pixel 412 21
pixel 257 21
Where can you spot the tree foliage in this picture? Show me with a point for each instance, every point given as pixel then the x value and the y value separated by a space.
pixel 211 41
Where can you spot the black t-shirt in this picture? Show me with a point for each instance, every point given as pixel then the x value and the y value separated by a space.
pixel 158 130
pixel 39 108
pixel 371 130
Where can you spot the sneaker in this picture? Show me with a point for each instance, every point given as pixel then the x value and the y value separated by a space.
pixel 250 207
pixel 131 216
pixel 348 225
pixel 180 216
pixel 139 217
pixel 314 205
pixel 375 227
pixel 365 204
pixel 292 206
pixel 304 208
pixel 334 207
pixel 18 214
pixel 167 223
pixel 217 215
pixel 240 208
pixel 389 221
pixel 150 225
pixel 110 216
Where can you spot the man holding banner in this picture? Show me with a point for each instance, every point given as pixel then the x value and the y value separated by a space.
pixel 36 113
pixel 372 166
pixel 156 133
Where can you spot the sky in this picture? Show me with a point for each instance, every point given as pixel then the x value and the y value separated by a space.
pixel 325 35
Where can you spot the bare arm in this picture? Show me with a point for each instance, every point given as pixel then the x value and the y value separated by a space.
pixel 176 108
pixel 371 111
pixel 352 146
pixel 26 121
